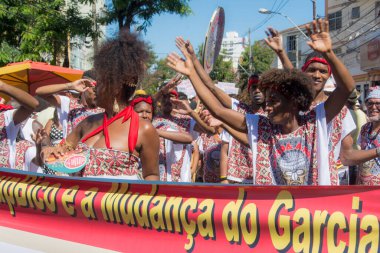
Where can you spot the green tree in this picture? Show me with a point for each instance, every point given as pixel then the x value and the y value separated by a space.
pixel 34 28
pixel 157 75
pixel 263 57
pixel 140 12
pixel 223 70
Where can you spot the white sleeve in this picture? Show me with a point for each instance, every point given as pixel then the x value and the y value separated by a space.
pixel 12 131
pixel 252 121
pixel 323 133
pixel 225 136
pixel 348 125
pixel 63 112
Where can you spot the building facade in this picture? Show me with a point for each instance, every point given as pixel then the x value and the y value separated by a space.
pixel 355 31
pixel 232 48
pixel 82 48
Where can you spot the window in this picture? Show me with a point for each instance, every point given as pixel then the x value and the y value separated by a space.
pixel 291 43
pixel 335 20
pixel 355 12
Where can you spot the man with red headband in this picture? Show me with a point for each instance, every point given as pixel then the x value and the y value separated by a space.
pixel 72 110
pixel 317 67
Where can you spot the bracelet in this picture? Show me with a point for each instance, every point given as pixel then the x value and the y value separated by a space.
pixel 378 151
pixel 223 178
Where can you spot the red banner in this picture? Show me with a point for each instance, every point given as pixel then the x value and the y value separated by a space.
pixel 142 216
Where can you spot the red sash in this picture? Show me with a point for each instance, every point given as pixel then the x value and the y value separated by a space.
pixel 127 113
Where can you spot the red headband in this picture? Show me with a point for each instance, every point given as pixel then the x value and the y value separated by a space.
pixel 251 81
pixel 147 100
pixel 5 107
pixel 175 93
pixel 316 59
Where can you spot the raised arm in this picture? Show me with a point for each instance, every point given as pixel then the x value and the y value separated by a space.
pixel 175 136
pixel 274 41
pixel 184 108
pixel 150 146
pixel 345 84
pixel 48 92
pixel 231 117
pixel 223 98
pixel 170 85
pixel 350 156
pixel 27 102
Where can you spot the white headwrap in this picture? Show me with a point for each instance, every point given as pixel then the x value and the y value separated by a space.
pixel 374 93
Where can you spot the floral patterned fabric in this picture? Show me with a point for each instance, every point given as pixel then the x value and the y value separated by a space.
pixel 369 172
pixel 239 161
pixel 173 123
pixel 111 163
pixel 77 113
pixel 288 159
pixel 210 147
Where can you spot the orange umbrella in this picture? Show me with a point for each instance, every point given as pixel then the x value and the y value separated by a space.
pixel 29 75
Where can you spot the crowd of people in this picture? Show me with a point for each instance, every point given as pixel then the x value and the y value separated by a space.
pixel 291 132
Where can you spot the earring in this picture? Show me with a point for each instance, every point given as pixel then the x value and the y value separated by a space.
pixel 115 107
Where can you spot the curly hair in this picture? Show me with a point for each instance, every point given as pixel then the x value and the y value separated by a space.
pixel 293 84
pixel 118 65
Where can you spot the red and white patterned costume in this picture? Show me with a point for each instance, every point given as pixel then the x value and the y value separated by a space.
pixel 369 172
pixel 108 162
pixel 12 153
pixel 299 158
pixel 239 161
pixel 174 158
pixel 209 147
pixel 71 113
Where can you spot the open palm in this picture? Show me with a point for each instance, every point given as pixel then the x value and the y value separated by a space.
pixel 274 40
pixel 182 66
pixel 320 37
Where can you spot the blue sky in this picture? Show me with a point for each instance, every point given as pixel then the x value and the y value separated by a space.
pixel 240 16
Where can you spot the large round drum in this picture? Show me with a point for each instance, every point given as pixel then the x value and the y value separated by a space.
pixel 214 37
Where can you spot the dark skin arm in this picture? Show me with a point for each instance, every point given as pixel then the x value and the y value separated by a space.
pixel 170 85
pixel 230 117
pixel 223 98
pixel 223 161
pixel 274 41
pixel 27 102
pixel 149 150
pixel 184 108
pixel 345 84
pixel 48 92
pixel 350 156
pixel 176 136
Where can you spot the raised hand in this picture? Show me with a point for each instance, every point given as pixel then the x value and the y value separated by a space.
pixel 274 40
pixel 209 119
pixel 320 37
pixel 172 83
pixel 39 136
pixel 80 85
pixel 182 66
pixel 181 106
pixel 185 45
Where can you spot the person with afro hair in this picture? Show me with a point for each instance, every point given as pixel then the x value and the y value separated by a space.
pixel 118 132
pixel 290 144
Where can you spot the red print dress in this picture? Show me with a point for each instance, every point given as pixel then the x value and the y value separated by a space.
pixel 110 163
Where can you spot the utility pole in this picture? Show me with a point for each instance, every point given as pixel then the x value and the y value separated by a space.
pixel 314 9
pixel 250 51
pixel 95 40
